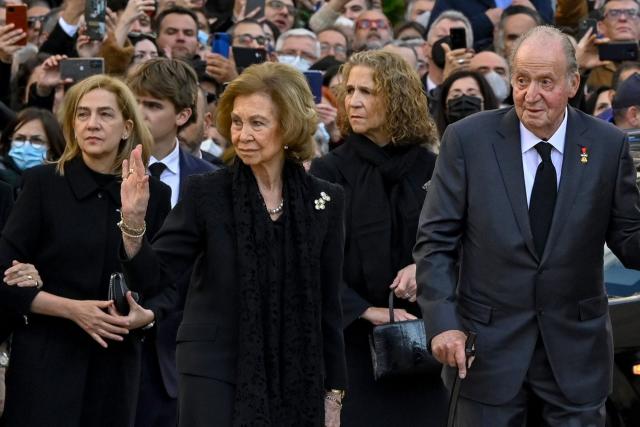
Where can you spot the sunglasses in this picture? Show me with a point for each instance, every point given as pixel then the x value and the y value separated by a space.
pixel 248 38
pixel 365 24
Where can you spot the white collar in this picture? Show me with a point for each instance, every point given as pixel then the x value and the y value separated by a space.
pixel 171 161
pixel 528 140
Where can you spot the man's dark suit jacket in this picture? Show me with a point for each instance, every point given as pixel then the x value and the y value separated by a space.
pixel 476 212
pixel 167 326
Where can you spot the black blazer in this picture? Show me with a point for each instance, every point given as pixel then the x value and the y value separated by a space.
pixel 201 229
pixel 503 290
pixel 66 227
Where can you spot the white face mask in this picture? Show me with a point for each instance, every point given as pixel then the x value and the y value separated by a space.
pixel 299 63
pixel 498 84
pixel 423 18
pixel 211 147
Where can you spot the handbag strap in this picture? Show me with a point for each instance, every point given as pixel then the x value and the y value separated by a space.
pixel 391 316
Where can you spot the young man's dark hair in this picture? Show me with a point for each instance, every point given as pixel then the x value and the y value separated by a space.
pixel 179 10
pixel 169 79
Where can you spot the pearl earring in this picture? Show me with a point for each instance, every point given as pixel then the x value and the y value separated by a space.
pixel 286 147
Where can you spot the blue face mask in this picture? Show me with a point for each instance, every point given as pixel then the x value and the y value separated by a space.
pixel 26 155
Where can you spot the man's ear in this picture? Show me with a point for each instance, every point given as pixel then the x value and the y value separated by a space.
pixel 183 116
pixel 208 119
pixel 632 116
pixel 574 84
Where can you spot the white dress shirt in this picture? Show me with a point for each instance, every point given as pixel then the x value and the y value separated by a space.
pixel 531 159
pixel 171 174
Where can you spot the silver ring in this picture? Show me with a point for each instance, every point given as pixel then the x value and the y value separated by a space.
pixel 460 61
pixel 30 277
pixel 407 295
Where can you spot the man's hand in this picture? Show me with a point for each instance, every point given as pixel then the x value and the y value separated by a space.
pixel 448 349
pixel 494 15
pixel 456 60
pixel 587 51
pixel 380 315
pixel 220 68
pixel 8 39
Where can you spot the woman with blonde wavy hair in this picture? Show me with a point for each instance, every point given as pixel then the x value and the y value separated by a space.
pixel 384 164
pixel 73 361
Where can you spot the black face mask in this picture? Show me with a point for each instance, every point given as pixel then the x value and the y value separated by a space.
pixel 437 52
pixel 461 107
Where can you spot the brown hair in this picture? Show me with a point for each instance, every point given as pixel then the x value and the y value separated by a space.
pixel 167 79
pixel 405 103
pixel 128 107
pixel 288 90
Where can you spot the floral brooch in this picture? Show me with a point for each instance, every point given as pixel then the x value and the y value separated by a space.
pixel 322 201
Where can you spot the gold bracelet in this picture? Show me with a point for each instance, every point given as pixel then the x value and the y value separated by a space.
pixel 127 230
pixel 339 393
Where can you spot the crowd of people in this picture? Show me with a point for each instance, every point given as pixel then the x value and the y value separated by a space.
pixel 260 221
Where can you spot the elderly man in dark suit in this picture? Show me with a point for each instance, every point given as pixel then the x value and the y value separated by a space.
pixel 510 246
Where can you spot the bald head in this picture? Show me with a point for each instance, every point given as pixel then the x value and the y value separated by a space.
pixel 407 53
pixel 550 37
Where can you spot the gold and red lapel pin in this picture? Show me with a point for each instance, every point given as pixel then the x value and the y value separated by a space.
pixel 584 156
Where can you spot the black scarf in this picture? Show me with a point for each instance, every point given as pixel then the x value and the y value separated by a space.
pixel 384 213
pixel 280 378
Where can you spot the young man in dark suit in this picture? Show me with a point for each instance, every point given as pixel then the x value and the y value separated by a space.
pixel 166 90
pixel 510 246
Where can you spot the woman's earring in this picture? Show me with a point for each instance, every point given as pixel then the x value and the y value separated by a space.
pixel 286 147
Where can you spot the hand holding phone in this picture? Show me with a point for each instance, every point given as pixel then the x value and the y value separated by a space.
pixel 77 69
pixel 94 17
pixel 314 78
pixel 618 51
pixel 458 38
pixel 221 43
pixel 9 41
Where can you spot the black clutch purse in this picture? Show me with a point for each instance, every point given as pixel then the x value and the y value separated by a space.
pixel 400 348
pixel 118 293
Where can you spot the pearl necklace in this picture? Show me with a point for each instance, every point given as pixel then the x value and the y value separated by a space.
pixel 277 209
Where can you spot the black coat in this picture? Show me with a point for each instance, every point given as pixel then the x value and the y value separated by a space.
pixel 201 229
pixel 367 402
pixel 66 227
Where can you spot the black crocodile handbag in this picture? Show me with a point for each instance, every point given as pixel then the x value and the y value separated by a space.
pixel 400 348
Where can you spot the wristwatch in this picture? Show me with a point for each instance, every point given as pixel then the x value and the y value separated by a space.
pixel 337 393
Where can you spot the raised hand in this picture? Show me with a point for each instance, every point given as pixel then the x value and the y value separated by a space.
pixel 134 190
pixel 50 77
pixel 8 39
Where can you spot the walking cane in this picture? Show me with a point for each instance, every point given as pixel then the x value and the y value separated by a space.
pixel 469 352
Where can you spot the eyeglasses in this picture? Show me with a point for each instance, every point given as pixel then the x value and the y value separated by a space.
pixel 33 140
pixel 248 38
pixel 365 24
pixel 33 20
pixel 278 5
pixel 337 48
pixel 614 14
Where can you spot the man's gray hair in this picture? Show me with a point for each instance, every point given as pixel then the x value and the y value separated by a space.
pixel 547 31
pixel 299 32
pixel 453 15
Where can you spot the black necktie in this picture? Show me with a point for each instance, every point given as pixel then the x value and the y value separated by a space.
pixel 543 198
pixel 156 169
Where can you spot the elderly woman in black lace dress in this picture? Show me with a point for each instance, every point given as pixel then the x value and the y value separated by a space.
pixel 261 341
